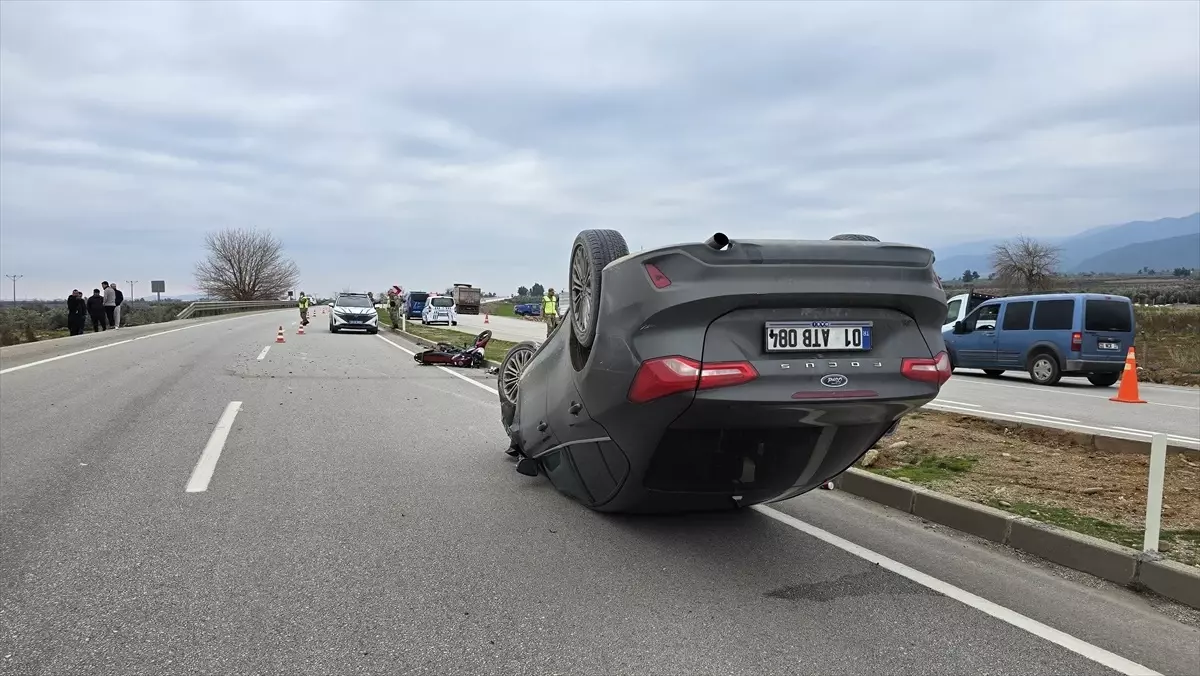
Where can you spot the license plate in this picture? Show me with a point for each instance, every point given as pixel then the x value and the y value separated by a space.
pixel 1110 346
pixel 818 336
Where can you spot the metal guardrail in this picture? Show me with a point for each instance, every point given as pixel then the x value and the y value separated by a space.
pixel 201 307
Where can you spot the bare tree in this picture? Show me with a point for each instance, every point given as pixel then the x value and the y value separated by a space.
pixel 1025 264
pixel 245 265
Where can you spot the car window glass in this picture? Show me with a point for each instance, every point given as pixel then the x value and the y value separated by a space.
pixel 982 317
pixel 952 310
pixel 1017 315
pixel 353 301
pixel 1108 315
pixel 1054 315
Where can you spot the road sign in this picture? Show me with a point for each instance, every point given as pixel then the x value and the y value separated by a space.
pixel 159 286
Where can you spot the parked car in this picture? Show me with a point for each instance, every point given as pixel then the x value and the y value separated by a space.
pixel 414 303
pixel 1048 335
pixel 528 310
pixel 439 310
pixel 353 311
pixel 725 373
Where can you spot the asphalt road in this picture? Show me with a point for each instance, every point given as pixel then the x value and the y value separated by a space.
pixel 361 518
pixel 1073 404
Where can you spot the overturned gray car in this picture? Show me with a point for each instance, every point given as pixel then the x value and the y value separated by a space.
pixel 723 374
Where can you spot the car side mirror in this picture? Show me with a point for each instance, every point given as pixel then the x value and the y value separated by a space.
pixel 959 328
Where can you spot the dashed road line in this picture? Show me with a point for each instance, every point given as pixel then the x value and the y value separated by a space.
pixel 1047 417
pixel 263 353
pixel 119 342
pixel 207 464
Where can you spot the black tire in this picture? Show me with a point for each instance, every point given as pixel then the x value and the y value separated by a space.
pixel 993 373
pixel 453 323
pixel 511 368
pixel 1044 368
pixel 1104 379
pixel 372 331
pixel 591 251
pixel 853 238
pixel 332 329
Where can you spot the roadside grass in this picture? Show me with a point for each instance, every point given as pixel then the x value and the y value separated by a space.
pixel 1044 474
pixel 1168 345
pixel 496 348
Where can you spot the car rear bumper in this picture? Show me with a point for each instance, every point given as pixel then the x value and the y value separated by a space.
pixel 1094 366
pixel 716 455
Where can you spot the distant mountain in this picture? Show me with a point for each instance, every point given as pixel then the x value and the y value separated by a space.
pixel 953 260
pixel 1161 254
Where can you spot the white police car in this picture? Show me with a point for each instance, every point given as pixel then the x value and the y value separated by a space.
pixel 353 311
pixel 440 309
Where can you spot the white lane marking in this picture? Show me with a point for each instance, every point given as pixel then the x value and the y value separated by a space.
pixel 958 403
pixel 1007 615
pixel 263 353
pixel 460 376
pixel 1130 429
pixel 1059 390
pixel 1150 434
pixel 119 342
pixel 1107 431
pixel 207 464
pixel 64 356
pixel 1047 417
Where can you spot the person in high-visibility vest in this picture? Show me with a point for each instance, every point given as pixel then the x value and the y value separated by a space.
pixel 550 310
pixel 303 305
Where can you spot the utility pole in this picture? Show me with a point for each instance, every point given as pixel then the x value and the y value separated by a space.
pixel 14 279
pixel 132 294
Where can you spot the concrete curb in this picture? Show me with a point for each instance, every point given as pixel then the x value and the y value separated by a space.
pixel 1122 565
pixel 1098 442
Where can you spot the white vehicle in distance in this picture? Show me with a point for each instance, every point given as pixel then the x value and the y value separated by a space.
pixel 354 311
pixel 440 309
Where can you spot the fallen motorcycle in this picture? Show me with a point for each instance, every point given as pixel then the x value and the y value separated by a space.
pixel 467 355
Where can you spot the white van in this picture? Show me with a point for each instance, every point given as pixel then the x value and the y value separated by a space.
pixel 440 309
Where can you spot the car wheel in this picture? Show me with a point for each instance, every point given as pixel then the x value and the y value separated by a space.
pixel 332 329
pixel 993 373
pixel 372 331
pixel 592 250
pixel 853 238
pixel 1104 379
pixel 1043 369
pixel 453 323
pixel 508 381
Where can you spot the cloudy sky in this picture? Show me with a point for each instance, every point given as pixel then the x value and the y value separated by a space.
pixel 424 144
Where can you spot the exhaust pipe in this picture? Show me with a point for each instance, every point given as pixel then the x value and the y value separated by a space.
pixel 718 241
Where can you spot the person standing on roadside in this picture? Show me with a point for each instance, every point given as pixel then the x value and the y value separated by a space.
pixel 110 303
pixel 303 305
pixel 117 309
pixel 76 312
pixel 95 308
pixel 550 310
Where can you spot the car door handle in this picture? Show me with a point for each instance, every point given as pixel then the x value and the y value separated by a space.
pixel 541 427
pixel 575 408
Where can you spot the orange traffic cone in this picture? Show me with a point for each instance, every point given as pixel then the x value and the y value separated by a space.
pixel 485 318
pixel 300 331
pixel 279 336
pixel 1127 393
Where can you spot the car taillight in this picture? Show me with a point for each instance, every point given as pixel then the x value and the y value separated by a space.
pixel 669 375
pixel 657 278
pixel 936 370
pixel 1076 341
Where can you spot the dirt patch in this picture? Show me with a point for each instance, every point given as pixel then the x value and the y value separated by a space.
pixel 1047 475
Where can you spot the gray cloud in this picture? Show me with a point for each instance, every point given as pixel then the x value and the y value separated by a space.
pixel 381 140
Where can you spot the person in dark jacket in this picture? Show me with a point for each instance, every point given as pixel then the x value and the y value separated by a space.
pixel 76 312
pixel 95 308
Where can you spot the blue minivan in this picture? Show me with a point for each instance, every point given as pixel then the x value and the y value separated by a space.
pixel 1049 335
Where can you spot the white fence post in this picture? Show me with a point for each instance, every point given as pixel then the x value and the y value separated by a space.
pixel 1154 492
pixel 404 321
